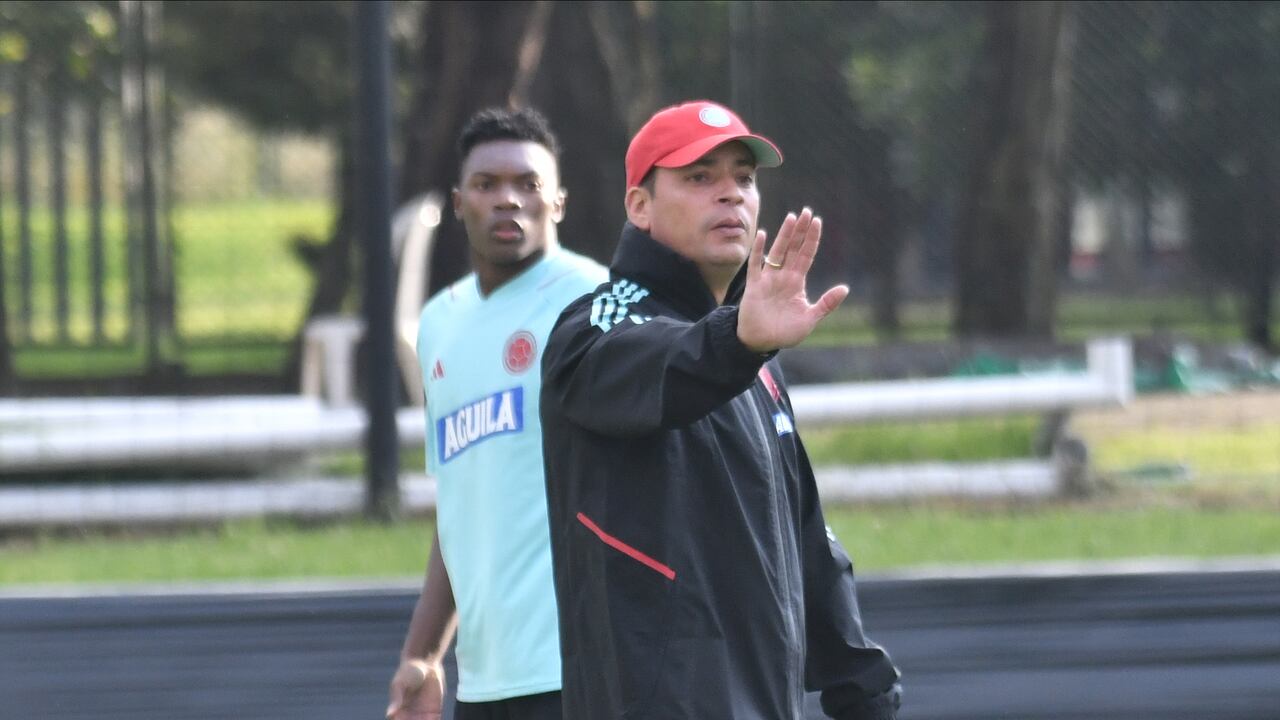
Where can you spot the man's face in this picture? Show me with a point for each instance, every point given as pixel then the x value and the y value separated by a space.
pixel 509 198
pixel 707 211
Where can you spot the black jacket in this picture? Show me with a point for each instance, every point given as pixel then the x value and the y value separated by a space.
pixel 695 576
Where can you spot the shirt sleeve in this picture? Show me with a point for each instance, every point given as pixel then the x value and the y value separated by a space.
pixel 620 370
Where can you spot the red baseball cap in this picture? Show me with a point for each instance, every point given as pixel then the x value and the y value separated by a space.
pixel 680 134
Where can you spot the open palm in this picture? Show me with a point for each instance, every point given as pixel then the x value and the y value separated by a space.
pixel 775 311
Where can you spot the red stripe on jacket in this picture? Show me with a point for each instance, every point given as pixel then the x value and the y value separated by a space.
pixel 620 546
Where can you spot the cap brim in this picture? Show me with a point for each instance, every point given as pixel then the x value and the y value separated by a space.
pixel 766 153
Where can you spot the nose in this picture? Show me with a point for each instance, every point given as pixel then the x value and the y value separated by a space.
pixel 729 192
pixel 508 197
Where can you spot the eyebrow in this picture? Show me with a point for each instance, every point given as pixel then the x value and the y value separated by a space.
pixel 520 176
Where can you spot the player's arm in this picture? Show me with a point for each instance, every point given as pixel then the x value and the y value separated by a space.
pixel 417 688
pixel 629 373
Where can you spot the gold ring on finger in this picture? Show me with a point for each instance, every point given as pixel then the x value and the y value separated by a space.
pixel 772 264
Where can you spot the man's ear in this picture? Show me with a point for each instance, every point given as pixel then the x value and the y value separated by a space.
pixel 639 206
pixel 456 196
pixel 557 208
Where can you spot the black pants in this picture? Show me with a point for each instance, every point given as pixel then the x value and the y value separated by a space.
pixel 545 706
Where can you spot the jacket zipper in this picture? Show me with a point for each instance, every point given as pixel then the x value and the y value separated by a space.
pixel 766 441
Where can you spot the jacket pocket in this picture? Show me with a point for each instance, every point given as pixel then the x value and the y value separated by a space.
pixel 633 614
pixel 631 552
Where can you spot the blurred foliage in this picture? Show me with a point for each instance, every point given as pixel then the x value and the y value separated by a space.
pixel 1184 97
pixel 282 65
pixel 73 42
pixel 1168 98
pixel 910 71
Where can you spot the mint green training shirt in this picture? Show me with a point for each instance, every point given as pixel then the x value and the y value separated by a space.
pixel 481 368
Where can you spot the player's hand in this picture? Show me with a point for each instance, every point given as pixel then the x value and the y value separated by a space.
pixel 417 691
pixel 775 311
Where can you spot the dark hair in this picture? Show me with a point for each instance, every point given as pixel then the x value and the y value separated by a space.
pixel 505 124
pixel 650 181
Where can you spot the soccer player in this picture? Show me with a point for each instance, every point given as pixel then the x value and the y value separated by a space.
pixel 479 344
pixel 695 574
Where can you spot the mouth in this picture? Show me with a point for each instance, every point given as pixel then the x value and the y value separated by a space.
pixel 507 230
pixel 730 226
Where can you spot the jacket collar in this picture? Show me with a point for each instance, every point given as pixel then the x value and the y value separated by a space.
pixel 667 274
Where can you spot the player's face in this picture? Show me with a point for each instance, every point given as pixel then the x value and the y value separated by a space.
pixel 509 198
pixel 707 210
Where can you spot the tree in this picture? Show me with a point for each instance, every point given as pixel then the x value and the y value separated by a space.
pixel 1183 97
pixel 6 349
pixel 838 158
pixel 304 84
pixel 909 69
pixel 1011 207
pixel 583 64
pixel 1225 68
pixel 60 50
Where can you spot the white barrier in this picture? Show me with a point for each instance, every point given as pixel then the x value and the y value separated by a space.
pixel 136 503
pixel 1108 380
pixel 245 432
pixel 165 435
pixel 132 410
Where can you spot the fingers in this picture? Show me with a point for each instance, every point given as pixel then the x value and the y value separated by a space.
pixel 409 678
pixel 806 248
pixel 797 240
pixel 756 259
pixel 829 301
pixel 777 257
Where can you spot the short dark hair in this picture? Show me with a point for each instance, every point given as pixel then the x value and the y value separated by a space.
pixel 650 181
pixel 496 123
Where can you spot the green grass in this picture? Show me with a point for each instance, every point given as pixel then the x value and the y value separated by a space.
pixel 236 278
pixel 1253 450
pixel 879 537
pixel 893 442
pixel 254 549
pixel 236 272
pixel 1080 316
pixel 882 538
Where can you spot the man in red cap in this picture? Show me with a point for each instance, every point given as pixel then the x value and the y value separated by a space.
pixel 695 576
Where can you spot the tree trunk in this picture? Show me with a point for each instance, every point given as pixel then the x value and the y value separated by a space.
pixel 332 268
pixel 837 162
pixel 626 34
pixel 150 258
pixel 93 168
pixel 881 237
pixel 55 98
pixel 1262 240
pixel 1007 285
pixel 22 190
pixel 1258 317
pixel 568 57
pixel 6 350
pixel 467 61
pixel 592 86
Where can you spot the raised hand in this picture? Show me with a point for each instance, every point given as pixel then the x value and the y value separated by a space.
pixel 775 311
pixel 417 691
